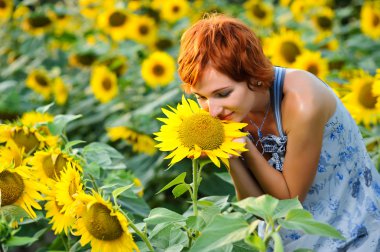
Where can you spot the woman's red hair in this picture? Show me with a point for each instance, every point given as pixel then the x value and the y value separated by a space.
pixel 229 46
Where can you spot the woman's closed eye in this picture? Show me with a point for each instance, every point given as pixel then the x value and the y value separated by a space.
pixel 223 94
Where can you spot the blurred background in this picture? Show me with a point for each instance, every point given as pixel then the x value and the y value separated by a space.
pixel 114 63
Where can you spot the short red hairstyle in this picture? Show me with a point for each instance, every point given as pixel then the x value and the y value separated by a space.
pixel 229 46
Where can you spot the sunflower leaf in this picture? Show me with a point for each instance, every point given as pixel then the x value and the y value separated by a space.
pixel 120 190
pixel 180 189
pixel 178 180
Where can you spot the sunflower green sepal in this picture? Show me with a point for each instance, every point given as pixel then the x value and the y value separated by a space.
pixel 190 132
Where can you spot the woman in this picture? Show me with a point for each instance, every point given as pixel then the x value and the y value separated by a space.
pixel 302 141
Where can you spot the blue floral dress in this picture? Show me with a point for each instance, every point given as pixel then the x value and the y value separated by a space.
pixel 345 192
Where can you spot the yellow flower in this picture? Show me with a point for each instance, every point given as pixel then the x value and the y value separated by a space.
pixel 49 164
pixel 190 131
pixel 362 103
pixel 370 19
pixel 313 63
pixel 67 188
pixel 11 155
pixel 32 118
pixel 60 91
pixel 299 8
pixel 100 224
pixel 24 137
pixel 143 30
pixel 376 85
pixel 139 185
pixel 38 23
pixel 103 84
pixel 144 144
pixel 173 10
pixel 121 132
pixel 39 81
pixel 19 187
pixel 323 20
pixel 91 8
pixel 116 63
pixel 116 23
pixel 259 12
pixel 60 220
pixel 6 7
pixel 21 11
pixel 285 47
pixel 158 69
pixel 82 59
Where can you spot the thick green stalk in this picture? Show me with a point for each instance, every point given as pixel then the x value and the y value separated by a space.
pixel 139 233
pixel 195 186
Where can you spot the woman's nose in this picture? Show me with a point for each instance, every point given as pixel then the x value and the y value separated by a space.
pixel 214 109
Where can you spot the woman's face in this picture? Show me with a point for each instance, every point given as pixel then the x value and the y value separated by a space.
pixel 223 97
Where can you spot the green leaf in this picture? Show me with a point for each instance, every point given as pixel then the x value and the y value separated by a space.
pixel 60 121
pixel 162 215
pixel 222 230
pixel 20 241
pixel 263 206
pixel 45 108
pixel 12 212
pixel 300 219
pixel 278 247
pixel 178 180
pixel 195 222
pixel 209 213
pixel 168 236
pixel 120 190
pixel 284 206
pixel 73 143
pixel 255 242
pixel 180 189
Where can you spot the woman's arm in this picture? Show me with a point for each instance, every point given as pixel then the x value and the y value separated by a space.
pixel 244 181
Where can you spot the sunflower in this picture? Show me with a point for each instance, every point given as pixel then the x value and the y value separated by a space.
pixel 92 8
pixel 64 22
pixel 82 59
pixel 116 63
pixel 103 84
pixel 370 19
pixel 19 187
pixel 38 23
pixel 21 11
pixel 158 69
pixel 121 132
pixel 144 144
pixel 139 185
pixel 191 131
pixel 259 12
pixel 11 155
pixel 285 47
pixel 60 220
pixel 32 118
pixel 376 84
pixel 6 7
pixel 60 91
pixel 116 23
pixel 39 81
pixel 49 164
pixel 24 137
pixel 173 10
pixel 362 103
pixel 323 20
pixel 313 63
pixel 144 30
pixel 105 227
pixel 68 186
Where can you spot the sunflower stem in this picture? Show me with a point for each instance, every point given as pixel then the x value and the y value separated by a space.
pixel 195 186
pixel 2 247
pixel 139 233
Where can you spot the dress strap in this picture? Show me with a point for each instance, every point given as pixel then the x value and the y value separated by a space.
pixel 279 76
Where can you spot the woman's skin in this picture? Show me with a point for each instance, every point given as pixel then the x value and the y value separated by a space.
pixel 306 107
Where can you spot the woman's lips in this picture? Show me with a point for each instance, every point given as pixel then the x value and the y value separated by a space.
pixel 227 117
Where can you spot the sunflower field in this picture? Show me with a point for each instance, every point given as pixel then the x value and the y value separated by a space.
pixel 89 95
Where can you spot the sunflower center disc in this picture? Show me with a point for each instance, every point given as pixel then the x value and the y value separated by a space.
pixel 366 97
pixel 203 130
pixel 143 30
pixel 11 187
pixel 117 19
pixel 325 23
pixel 39 21
pixel 290 51
pixel 29 141
pixel 101 224
pixel 258 11
pixel 41 80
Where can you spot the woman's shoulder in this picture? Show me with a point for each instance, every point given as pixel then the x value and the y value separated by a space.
pixel 305 98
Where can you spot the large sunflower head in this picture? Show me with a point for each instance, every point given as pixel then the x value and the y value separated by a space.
pixel 11 155
pixel 39 81
pixel 144 30
pixel 6 7
pixel 158 69
pixel 259 12
pixel 19 187
pixel 190 131
pixel 116 23
pixel 83 59
pixel 173 10
pixel 376 84
pixel 50 163
pixel 362 103
pixel 102 225
pixel 104 84
pixel 313 63
pixel 370 19
pixel 285 47
pixel 33 118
